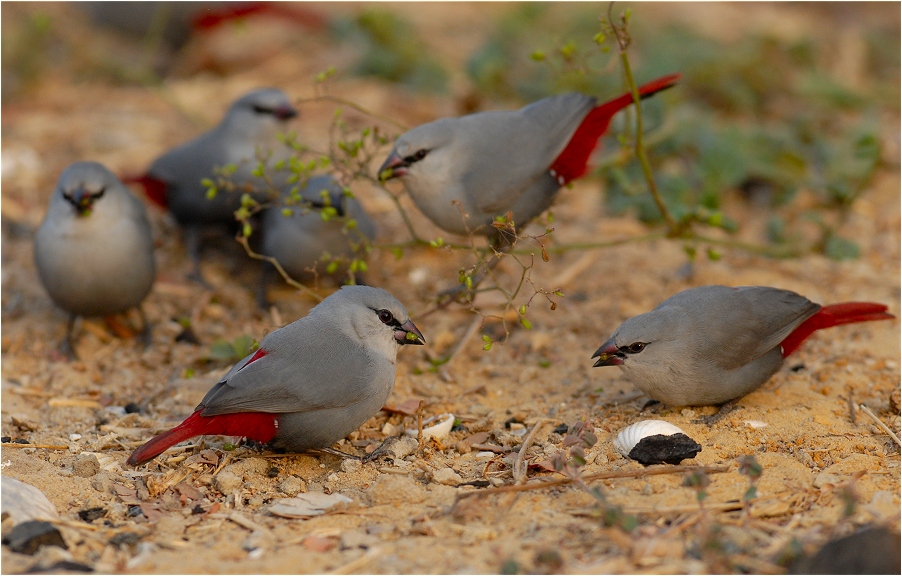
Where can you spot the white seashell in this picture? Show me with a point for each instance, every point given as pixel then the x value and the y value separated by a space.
pixel 631 435
pixel 309 504
pixel 755 424
pixel 438 430
pixel 24 502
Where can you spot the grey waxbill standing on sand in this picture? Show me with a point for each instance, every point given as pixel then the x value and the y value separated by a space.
pixel 310 383
pixel 173 180
pixel 94 249
pixel 714 344
pixel 464 172
pixel 315 226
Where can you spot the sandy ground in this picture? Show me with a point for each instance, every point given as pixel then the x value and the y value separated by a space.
pixel 210 513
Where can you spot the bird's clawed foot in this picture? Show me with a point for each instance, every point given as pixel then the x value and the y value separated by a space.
pixel 383 449
pixel 713 419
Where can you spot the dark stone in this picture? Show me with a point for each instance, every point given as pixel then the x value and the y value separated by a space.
pixel 661 449
pixel 91 514
pixel 798 367
pixel 561 429
pixel 28 536
pixel 134 510
pixel 5 439
pixel 872 550
pixel 132 408
pixel 61 567
pixel 127 538
pixel 273 472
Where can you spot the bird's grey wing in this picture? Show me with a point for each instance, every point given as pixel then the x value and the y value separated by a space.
pixel 327 371
pixel 516 148
pixel 734 326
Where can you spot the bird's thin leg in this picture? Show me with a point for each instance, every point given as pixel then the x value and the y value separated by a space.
pixel 66 347
pixel 192 235
pixel 381 450
pixel 265 279
pixel 338 453
pixel 146 332
pixel 501 244
pixel 713 419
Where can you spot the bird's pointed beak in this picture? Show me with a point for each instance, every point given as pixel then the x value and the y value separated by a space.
pixel 393 167
pixel 408 333
pixel 608 355
pixel 285 112
pixel 82 200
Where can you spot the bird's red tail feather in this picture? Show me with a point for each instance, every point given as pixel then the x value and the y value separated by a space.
pixel 573 161
pixel 259 426
pixel 154 188
pixel 834 315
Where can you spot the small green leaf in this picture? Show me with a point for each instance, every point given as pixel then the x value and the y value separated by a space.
pixel 522 309
pixel 526 323
pixel 538 56
pixel 287 212
pixel 599 38
pixel 487 347
pixel 713 255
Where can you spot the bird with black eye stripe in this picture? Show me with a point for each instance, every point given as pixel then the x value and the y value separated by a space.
pixel 94 249
pixel 249 129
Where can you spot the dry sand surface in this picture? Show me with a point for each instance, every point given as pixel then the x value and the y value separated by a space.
pixel 211 513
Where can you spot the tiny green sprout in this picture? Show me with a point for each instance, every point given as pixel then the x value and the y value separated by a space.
pixel 716 219
pixel 324 194
pixel 324 161
pixel 544 363
pixel 526 323
pixel 599 38
pixel 487 346
pixel 328 213
pixel 550 220
pixel 229 169
pixel 398 252
pixel 365 132
pixel 626 15
pixel 331 267
pixel 485 338
pixel 354 265
pixel 690 251
pixel 228 447
pixel 207 183
pixel 437 243
pixel 385 174
pixel 211 192
pixel 247 230
pixel 469 282
pixel 713 255
pixel 287 212
pixel 411 336
pixel 351 224
pixel 189 373
pixel 279 165
pixel 362 266
pixel 522 309
pixel 347 192
pixel 538 55
pixel 247 200
pixel 242 213
pixel 457 423
pixel 568 50
pixel 558 293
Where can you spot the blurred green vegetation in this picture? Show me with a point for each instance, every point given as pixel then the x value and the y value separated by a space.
pixel 762 118
pixel 391 49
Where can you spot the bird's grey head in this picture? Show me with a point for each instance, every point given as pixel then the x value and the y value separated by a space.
pixel 372 313
pixel 640 340
pixel 82 184
pixel 262 109
pixel 418 149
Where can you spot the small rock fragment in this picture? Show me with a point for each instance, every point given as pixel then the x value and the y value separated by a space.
pixel 227 481
pixel 28 536
pixel 309 504
pixel 447 476
pixel 91 514
pixel 404 447
pixel 292 486
pixel 350 465
pixel 86 465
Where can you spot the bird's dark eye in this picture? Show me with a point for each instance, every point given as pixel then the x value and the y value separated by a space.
pixel 635 347
pixel 385 316
pixel 416 156
pixel 262 109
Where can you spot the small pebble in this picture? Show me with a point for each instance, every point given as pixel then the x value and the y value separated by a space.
pixel 28 536
pixel 227 481
pixel 74 437
pixel 86 465
pixel 132 408
pixel 292 486
pixel 350 465
pixel 447 476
